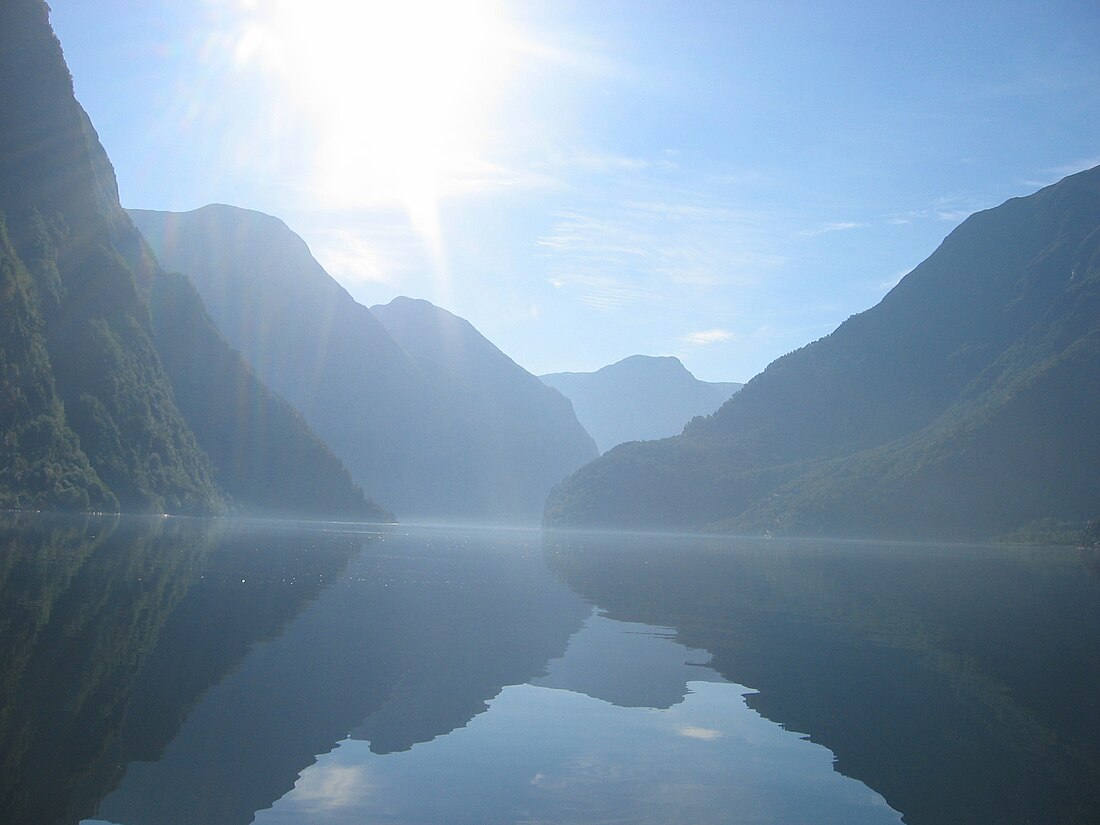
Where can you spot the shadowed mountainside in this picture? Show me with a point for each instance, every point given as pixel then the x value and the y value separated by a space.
pixel 439 424
pixel 117 398
pixel 961 406
pixel 940 676
pixel 522 433
pixel 94 424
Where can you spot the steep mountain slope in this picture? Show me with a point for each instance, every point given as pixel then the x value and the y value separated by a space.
pixel 63 219
pixel 640 398
pixel 263 452
pixel 95 418
pixel 41 463
pixel 419 435
pixel 963 405
pixel 521 436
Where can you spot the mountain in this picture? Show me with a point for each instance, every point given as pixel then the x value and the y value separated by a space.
pixel 964 405
pixel 850 644
pixel 521 435
pixel 262 451
pixel 96 424
pixel 115 627
pixel 428 415
pixel 91 358
pixel 640 398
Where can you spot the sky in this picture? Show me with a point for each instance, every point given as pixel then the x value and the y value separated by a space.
pixel 583 181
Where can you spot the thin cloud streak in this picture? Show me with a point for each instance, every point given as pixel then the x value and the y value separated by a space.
pixel 633 238
pixel 706 337
pixel 375 248
pixel 840 226
pixel 1056 173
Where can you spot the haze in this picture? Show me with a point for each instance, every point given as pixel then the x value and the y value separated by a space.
pixel 588 181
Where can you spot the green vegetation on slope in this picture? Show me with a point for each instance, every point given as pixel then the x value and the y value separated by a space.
pixel 41 463
pixel 92 419
pixel 962 406
pixel 62 214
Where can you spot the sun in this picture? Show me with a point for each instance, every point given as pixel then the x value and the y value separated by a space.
pixel 397 98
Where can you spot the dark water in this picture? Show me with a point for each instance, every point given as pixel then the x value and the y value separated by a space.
pixel 163 671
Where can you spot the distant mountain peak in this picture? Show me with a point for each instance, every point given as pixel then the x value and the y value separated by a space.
pixel 639 398
pixel 649 363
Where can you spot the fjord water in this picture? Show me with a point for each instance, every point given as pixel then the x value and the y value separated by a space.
pixel 180 671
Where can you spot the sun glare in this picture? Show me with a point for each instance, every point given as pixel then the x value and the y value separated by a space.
pixel 397 96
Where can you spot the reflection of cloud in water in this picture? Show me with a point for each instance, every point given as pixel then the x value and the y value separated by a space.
pixel 696 732
pixel 327 788
pixel 542 755
pixel 628 664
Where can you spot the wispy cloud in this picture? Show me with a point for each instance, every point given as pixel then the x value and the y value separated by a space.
pixel 632 237
pixel 1056 173
pixel 606 292
pixel 839 226
pixel 952 208
pixel 480 176
pixel 329 788
pixel 611 164
pixel 890 283
pixel 707 336
pixel 376 251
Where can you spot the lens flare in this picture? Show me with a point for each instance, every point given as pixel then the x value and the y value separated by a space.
pixel 393 102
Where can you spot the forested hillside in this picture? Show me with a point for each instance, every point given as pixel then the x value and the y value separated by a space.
pixel 964 405
pixel 93 419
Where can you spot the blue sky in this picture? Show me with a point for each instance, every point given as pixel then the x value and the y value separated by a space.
pixel 583 181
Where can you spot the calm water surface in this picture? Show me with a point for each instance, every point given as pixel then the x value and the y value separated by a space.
pixel 165 671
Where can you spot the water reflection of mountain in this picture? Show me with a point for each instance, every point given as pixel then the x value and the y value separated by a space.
pixel 467 619
pixel 627 664
pixel 92 610
pixel 408 644
pixel 959 683
pixel 191 670
pixel 169 671
pixel 81 602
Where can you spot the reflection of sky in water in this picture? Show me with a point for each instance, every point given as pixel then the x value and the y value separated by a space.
pixel 550 752
pixel 543 755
